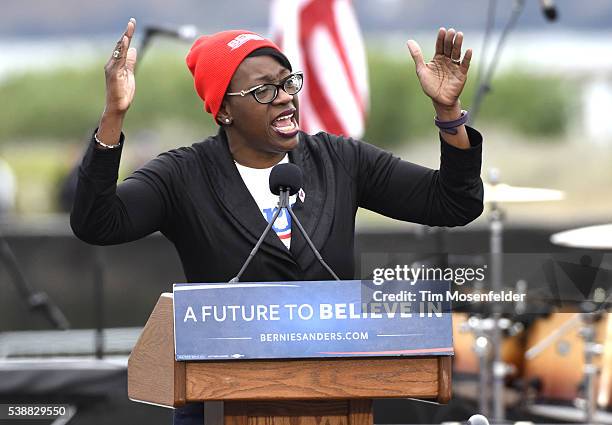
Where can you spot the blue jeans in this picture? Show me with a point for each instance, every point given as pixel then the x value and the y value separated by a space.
pixel 190 414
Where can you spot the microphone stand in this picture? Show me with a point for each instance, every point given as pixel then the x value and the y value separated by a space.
pixel 142 48
pixel 283 203
pixel 311 245
pixel 36 300
pixel 263 235
pixel 485 85
pixel 485 40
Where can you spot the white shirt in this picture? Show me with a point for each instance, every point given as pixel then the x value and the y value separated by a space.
pixel 257 180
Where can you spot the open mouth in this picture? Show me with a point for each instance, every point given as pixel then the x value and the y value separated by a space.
pixel 285 124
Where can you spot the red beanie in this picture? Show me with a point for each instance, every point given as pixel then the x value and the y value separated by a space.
pixel 213 59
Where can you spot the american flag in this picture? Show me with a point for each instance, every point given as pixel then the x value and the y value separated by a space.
pixel 322 38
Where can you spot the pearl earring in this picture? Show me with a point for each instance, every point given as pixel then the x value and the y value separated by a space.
pixel 227 120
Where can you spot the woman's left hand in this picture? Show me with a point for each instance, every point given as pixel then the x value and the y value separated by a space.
pixel 444 77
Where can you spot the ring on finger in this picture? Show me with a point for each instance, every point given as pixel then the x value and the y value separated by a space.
pixel 117 53
pixel 456 61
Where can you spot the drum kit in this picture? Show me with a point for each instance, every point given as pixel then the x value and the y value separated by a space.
pixel 556 365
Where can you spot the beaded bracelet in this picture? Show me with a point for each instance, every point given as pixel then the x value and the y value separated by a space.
pixel 104 145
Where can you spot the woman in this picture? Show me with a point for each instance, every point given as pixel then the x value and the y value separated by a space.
pixel 205 198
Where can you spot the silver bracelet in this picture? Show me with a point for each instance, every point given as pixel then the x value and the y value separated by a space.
pixel 104 145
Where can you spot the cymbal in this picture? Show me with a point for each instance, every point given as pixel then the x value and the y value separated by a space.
pixel 567 413
pixel 591 237
pixel 504 193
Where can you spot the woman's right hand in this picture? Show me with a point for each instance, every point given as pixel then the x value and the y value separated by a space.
pixel 119 72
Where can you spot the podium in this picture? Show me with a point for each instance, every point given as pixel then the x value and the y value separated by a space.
pixel 326 391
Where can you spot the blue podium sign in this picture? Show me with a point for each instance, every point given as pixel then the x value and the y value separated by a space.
pixel 311 319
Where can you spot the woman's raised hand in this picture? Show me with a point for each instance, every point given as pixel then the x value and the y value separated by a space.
pixel 119 72
pixel 444 77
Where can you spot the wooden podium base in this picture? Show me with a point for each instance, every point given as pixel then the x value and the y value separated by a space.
pixel 325 391
pixel 334 412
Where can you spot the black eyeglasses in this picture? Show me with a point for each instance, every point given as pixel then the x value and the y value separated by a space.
pixel 266 93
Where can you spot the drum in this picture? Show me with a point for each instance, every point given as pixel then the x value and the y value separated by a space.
pixel 466 360
pixel 555 358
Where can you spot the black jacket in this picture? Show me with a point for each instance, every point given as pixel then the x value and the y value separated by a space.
pixel 197 199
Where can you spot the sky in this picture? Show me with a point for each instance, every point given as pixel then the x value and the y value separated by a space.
pixel 44 18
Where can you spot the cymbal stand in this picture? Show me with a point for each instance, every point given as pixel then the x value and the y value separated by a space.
pixel 484 330
pixel 498 368
pixel 591 349
pixel 481 329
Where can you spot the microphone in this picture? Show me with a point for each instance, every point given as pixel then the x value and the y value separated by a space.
pixel 288 176
pixel 285 180
pixel 478 420
pixel 549 9
pixel 184 32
